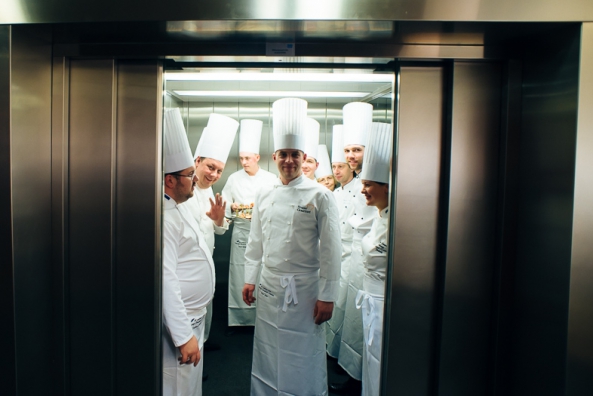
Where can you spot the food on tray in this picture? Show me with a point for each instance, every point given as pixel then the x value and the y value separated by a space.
pixel 243 211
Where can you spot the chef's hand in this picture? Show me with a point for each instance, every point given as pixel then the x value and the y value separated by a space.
pixel 217 208
pixel 323 311
pixel 234 207
pixel 190 352
pixel 248 290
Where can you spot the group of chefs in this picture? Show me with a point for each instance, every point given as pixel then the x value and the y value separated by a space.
pixel 308 259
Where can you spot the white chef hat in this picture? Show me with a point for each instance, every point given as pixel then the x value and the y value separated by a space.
pixel 338 144
pixel 312 138
pixel 250 136
pixel 325 167
pixel 377 154
pixel 358 117
pixel 177 154
pixel 288 127
pixel 217 138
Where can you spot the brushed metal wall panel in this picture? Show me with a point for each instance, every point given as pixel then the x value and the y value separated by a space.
pixel 546 204
pixel 91 232
pixel 580 320
pixel 471 238
pixel 8 359
pixel 414 240
pixel 137 224
pixel 37 11
pixel 31 66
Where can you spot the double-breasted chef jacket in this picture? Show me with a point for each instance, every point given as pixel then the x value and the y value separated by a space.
pixel 241 188
pixel 188 287
pixel 198 205
pixel 295 238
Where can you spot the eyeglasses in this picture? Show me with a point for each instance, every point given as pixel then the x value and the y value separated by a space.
pixel 191 175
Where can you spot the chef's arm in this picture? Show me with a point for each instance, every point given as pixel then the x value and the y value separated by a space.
pixel 174 314
pixel 330 248
pixel 323 311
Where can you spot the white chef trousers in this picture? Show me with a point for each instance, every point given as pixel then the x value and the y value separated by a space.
pixel 183 379
pixel 288 348
pixel 239 313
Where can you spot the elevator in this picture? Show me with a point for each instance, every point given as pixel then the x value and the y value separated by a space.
pixel 489 287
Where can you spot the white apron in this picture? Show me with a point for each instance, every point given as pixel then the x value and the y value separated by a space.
pixel 183 379
pixel 288 348
pixel 371 299
pixel 240 314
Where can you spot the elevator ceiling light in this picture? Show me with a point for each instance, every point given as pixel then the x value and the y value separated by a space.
pixel 275 94
pixel 312 77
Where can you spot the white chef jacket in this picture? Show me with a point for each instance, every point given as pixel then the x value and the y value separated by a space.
pixel 345 196
pixel 198 205
pixel 241 188
pixel 188 271
pixel 295 230
pixel 374 249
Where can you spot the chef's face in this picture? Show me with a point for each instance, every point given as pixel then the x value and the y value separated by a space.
pixel 208 171
pixel 249 162
pixel 309 167
pixel 376 194
pixel 180 185
pixel 354 154
pixel 289 163
pixel 342 172
pixel 327 181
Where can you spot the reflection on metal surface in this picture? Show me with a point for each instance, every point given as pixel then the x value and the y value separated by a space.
pixel 30 185
pixel 471 229
pixel 38 11
pixel 273 94
pixel 580 324
pixel 414 238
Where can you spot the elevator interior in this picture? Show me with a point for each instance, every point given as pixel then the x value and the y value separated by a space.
pixel 487 293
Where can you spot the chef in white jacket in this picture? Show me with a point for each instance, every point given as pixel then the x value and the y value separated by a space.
pixel 358 126
pixel 375 188
pixel 295 239
pixel 210 157
pixel 344 194
pixel 188 270
pixel 239 194
pixel 311 164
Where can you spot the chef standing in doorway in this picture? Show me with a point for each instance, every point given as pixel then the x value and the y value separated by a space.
pixel 239 194
pixel 295 240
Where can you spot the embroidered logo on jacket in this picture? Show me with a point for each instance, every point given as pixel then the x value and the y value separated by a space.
pixel 306 209
pixel 381 248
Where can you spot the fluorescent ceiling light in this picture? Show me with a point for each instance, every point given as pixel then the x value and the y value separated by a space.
pixel 288 94
pixel 313 77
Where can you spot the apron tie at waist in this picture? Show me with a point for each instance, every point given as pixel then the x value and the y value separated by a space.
pixel 290 295
pixel 367 300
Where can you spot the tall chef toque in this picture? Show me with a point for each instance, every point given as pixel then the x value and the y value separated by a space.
pixel 358 118
pixel 250 136
pixel 377 154
pixel 289 115
pixel 177 154
pixel 312 139
pixel 325 167
pixel 338 144
pixel 217 138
